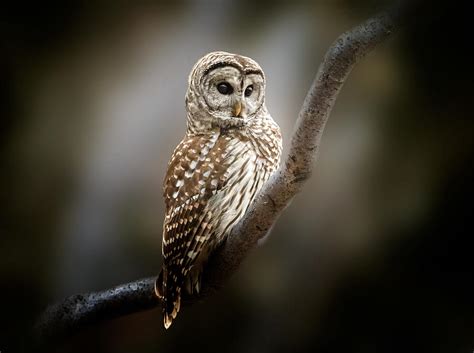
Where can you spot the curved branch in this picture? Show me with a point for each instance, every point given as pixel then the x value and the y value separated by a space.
pixel 81 310
pixel 338 62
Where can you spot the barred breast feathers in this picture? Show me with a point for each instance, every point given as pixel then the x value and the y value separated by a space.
pixel 211 181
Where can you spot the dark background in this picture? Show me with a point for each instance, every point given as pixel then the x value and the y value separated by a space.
pixel 374 255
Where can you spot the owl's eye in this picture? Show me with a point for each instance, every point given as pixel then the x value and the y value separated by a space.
pixel 248 91
pixel 225 88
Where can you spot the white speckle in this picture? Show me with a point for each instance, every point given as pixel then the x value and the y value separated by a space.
pixel 211 165
pixel 193 164
pixel 206 173
pixel 214 182
pixel 175 194
pixel 191 254
pixel 188 174
pixel 179 183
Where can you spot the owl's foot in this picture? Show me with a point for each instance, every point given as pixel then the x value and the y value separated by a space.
pixel 159 286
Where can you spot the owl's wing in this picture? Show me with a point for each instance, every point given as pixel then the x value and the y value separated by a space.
pixel 193 177
pixel 195 174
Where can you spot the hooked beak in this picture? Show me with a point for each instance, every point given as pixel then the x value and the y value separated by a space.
pixel 237 111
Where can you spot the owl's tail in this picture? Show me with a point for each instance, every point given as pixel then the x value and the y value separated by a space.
pixel 169 291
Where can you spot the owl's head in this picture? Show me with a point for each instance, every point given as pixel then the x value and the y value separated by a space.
pixel 224 86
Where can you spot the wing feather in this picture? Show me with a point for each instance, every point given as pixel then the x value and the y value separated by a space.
pixel 210 183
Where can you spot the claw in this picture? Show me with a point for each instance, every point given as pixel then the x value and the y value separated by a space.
pixel 197 285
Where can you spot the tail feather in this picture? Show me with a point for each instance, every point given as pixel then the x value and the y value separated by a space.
pixel 168 289
pixel 171 311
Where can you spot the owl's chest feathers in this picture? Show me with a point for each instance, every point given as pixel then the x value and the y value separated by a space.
pixel 221 162
pixel 256 140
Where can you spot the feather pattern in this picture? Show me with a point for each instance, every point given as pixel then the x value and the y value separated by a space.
pixel 213 176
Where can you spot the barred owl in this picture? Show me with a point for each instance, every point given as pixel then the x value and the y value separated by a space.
pixel 231 147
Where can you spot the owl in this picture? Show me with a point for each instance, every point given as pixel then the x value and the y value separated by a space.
pixel 230 149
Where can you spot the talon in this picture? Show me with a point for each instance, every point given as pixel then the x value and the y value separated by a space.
pixel 197 286
pixel 158 286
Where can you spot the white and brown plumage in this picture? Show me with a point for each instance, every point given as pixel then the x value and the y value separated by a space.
pixel 231 147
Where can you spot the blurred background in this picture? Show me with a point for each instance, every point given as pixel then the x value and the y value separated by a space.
pixel 373 256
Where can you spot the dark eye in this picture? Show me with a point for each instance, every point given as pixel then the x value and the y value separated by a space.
pixel 225 88
pixel 248 91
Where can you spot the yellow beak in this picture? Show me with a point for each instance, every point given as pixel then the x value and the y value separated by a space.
pixel 237 108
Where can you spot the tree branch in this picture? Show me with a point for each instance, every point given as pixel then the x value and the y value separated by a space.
pixel 81 310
